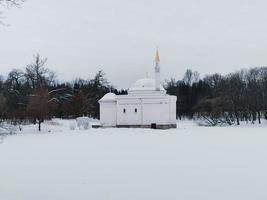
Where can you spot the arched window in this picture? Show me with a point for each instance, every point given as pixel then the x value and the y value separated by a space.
pixel 135 110
pixel 124 110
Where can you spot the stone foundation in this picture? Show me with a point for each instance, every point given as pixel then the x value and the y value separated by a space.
pixel 155 126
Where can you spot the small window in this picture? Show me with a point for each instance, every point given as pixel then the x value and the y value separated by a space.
pixel 124 110
pixel 135 110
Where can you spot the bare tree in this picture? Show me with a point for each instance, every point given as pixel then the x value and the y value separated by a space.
pixel 9 4
pixel 37 75
pixel 77 105
pixel 191 77
pixel 40 105
pixel 212 112
pixel 233 94
pixel 3 108
pixel 263 85
pixel 188 76
pixel 15 78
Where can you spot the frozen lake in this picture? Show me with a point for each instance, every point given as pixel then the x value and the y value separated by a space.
pixel 190 162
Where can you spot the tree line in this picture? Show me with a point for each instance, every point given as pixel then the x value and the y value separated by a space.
pixel 222 99
pixel 34 94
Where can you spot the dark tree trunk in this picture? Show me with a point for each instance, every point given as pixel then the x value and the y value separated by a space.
pixel 237 118
pixel 259 117
pixel 39 125
pixel 254 117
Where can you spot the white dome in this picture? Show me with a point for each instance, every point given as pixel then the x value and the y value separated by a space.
pixel 145 84
pixel 108 97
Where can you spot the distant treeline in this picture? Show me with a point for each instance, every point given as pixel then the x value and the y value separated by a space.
pixel 218 99
pixel 34 94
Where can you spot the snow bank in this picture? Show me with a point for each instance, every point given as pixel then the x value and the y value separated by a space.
pixel 83 122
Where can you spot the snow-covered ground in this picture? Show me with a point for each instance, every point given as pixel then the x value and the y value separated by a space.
pixel 187 163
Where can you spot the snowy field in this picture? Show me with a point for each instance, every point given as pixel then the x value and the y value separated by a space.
pixel 187 163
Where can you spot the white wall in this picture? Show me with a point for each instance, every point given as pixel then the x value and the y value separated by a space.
pixel 156 111
pixel 108 113
pixel 130 117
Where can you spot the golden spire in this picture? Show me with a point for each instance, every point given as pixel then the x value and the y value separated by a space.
pixel 157 58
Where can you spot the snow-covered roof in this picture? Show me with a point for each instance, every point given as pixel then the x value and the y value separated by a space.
pixel 145 84
pixel 109 97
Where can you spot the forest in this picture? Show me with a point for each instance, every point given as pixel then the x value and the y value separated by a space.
pixel 34 94
pixel 222 99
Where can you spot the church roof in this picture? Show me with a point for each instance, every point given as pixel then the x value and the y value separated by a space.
pixel 145 84
pixel 108 97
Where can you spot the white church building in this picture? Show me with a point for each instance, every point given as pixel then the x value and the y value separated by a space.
pixel 145 105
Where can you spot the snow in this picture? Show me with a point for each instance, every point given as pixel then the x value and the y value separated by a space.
pixel 108 97
pixel 3 131
pixel 82 122
pixel 190 162
pixel 145 84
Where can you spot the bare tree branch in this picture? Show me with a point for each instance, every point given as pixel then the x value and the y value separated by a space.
pixel 9 4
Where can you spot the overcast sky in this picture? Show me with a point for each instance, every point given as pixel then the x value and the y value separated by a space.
pixel 80 37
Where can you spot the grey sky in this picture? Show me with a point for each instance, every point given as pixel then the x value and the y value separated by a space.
pixel 120 36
